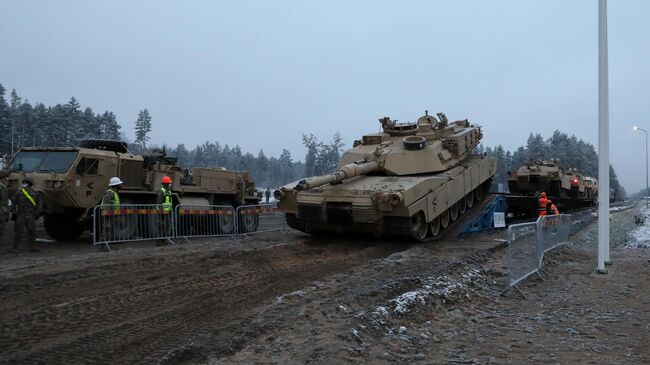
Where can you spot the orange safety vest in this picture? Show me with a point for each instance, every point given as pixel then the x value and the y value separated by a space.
pixel 543 202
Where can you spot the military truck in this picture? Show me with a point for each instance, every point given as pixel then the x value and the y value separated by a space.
pixel 411 180
pixel 72 180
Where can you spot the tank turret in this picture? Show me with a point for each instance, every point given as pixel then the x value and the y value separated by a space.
pixel 428 146
pixel 385 175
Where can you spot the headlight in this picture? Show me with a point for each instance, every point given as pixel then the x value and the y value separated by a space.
pixel 394 199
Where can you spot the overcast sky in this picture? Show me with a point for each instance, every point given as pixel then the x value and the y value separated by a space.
pixel 262 73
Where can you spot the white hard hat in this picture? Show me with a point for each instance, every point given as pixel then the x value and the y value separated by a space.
pixel 114 181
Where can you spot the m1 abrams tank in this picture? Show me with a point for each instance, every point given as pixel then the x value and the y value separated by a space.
pixel 551 177
pixel 72 180
pixel 411 180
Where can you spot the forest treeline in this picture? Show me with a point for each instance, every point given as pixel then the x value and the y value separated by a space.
pixel 24 124
pixel 572 152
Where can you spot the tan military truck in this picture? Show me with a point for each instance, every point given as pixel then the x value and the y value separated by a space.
pixel 411 180
pixel 72 180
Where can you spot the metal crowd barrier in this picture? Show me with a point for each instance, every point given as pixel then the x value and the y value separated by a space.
pixel 523 259
pixel 131 222
pixel 527 243
pixel 554 230
pixel 205 221
pixel 259 218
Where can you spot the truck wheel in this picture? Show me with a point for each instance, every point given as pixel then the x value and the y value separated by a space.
pixel 62 227
pixel 226 224
pixel 248 223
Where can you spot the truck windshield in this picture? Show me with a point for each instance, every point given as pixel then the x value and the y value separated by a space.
pixel 42 161
pixel 27 161
pixel 58 161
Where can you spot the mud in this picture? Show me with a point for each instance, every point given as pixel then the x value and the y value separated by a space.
pixel 292 298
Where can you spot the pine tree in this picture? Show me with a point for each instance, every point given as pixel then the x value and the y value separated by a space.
pixel 142 128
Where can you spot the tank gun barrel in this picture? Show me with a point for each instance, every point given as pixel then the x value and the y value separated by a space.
pixel 345 172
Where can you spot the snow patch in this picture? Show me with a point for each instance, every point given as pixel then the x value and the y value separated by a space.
pixel 284 297
pixel 641 235
pixel 442 287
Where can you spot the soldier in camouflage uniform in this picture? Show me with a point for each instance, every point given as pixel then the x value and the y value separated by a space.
pixel 4 202
pixel 26 206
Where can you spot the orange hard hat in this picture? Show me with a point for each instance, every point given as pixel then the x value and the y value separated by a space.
pixel 166 180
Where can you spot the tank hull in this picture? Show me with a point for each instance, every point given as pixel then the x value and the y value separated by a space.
pixel 405 206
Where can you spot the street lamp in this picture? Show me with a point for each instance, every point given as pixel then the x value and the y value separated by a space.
pixel 646 164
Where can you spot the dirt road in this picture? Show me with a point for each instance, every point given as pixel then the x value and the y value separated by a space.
pixel 291 298
pixel 135 305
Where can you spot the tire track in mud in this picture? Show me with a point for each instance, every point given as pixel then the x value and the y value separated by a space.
pixel 137 310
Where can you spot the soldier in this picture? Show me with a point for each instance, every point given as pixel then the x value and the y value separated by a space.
pixel 110 209
pixel 4 202
pixel 165 200
pixel 26 206
pixel 267 194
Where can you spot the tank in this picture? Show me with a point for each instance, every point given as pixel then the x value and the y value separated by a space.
pixel 411 180
pixel 551 177
pixel 72 180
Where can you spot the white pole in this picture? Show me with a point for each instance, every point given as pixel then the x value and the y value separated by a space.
pixel 603 140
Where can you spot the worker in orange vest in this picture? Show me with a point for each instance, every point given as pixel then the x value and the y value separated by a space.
pixel 542 204
pixel 554 209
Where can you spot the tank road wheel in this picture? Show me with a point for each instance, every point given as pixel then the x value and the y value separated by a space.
pixel 462 206
pixel 444 219
pixel 469 199
pixel 434 226
pixel 453 212
pixel 478 193
pixel 419 227
pixel 62 227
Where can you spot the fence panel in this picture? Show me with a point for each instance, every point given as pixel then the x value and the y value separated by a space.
pixel 523 255
pixel 259 218
pixel 554 230
pixel 205 221
pixel 131 222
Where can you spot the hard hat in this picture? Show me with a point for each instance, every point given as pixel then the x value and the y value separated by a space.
pixel 114 181
pixel 543 194
pixel 166 180
pixel 28 180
